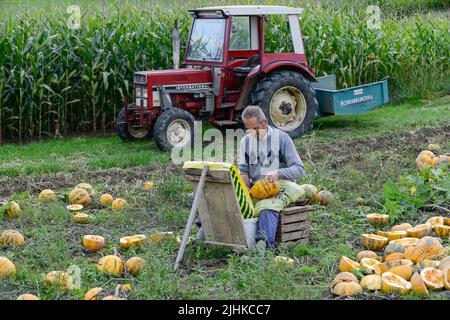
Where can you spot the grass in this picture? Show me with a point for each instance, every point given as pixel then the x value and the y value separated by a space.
pixel 352 156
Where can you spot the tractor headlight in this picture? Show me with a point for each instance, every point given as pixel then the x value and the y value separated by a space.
pixel 140 78
pixel 145 92
pixel 141 92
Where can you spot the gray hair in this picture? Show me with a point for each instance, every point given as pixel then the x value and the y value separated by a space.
pixel 253 112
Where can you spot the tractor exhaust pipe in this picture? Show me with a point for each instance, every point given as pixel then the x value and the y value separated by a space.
pixel 176 46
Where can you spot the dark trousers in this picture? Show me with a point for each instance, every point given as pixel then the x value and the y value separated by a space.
pixel 266 229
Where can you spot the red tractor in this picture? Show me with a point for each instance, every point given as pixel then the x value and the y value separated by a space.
pixel 225 69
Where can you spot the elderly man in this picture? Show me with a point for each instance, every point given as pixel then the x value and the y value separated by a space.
pixel 268 153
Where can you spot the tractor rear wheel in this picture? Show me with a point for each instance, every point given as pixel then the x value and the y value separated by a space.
pixel 127 132
pixel 174 128
pixel 288 101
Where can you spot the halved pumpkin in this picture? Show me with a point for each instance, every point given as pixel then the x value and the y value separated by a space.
pixel 371 282
pixel 393 283
pixel 417 285
pixel 347 288
pixel 92 242
pixel 444 263
pixel 446 277
pixel 377 218
pixel 367 254
pixel 347 264
pixel 392 235
pixel 393 248
pixel 442 230
pixel 369 264
pixel 436 220
pixel 420 231
pixel 432 278
pixel 132 241
pixel 373 241
pixel 403 226
pixel 81 218
pixel 75 207
pixel 425 249
pixel 405 271
pixel 406 242
pixel 426 264
pixel 447 221
pixel 394 256
pixel 387 266
pixel 344 277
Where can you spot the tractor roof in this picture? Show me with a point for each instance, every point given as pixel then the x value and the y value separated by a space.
pixel 253 10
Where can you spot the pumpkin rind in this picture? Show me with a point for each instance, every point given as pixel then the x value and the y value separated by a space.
pixel 93 293
pixel 119 204
pixel 420 231
pixel 80 196
pixel 347 264
pixel 134 265
pixel 371 282
pixel 393 283
pixel 106 199
pixel 46 195
pixel 403 226
pixel 344 277
pixel 93 242
pixel 111 265
pixel 442 231
pixel 392 235
pixel 59 279
pixel 27 296
pixel 373 241
pixel 14 210
pixel 12 237
pixel 377 219
pixel 432 278
pixel 436 221
pixel 369 264
pixel 417 285
pixel 132 241
pixel 347 288
pixel 7 268
pixel 367 254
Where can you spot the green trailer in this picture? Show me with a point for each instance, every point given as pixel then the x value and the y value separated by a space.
pixel 352 100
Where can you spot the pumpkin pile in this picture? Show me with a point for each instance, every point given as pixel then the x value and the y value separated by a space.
pixel 403 259
pixel 428 158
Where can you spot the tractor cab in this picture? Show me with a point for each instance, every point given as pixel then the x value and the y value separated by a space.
pixel 225 68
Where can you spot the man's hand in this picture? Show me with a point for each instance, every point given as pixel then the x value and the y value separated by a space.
pixel 273 176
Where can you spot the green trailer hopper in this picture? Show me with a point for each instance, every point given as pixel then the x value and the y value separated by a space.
pixel 350 100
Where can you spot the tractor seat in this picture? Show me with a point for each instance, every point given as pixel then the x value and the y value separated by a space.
pixel 248 65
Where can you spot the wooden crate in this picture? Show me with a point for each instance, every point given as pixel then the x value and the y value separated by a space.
pixel 294 224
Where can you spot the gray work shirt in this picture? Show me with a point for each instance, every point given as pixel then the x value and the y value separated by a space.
pixel 275 151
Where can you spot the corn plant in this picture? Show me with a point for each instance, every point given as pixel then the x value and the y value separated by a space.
pixel 54 80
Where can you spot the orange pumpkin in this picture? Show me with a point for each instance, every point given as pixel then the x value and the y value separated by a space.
pixel 347 264
pixel 420 231
pixel 418 286
pixel 432 278
pixel 393 235
pixel 393 283
pixel 373 241
pixel 264 189
pixel 442 231
pixel 377 218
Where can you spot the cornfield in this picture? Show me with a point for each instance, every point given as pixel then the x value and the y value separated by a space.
pixel 55 80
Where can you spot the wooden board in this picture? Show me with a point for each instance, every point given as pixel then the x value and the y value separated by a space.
pixel 220 214
pixel 296 235
pixel 212 176
pixel 295 226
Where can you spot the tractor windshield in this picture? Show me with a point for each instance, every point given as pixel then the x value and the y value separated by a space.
pixel 207 40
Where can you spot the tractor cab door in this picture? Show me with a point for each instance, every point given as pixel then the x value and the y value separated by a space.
pixel 243 54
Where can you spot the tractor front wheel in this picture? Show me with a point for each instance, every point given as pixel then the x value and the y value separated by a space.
pixel 128 132
pixel 174 128
pixel 288 101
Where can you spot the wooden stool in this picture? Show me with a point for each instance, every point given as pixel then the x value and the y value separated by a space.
pixel 294 224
